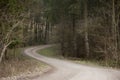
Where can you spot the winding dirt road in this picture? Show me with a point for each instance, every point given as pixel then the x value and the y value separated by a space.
pixel 65 70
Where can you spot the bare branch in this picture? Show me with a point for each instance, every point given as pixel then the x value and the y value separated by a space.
pixel 13 27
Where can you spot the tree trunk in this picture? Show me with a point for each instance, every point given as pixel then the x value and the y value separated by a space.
pixel 86 29
pixel 46 32
pixel 33 32
pixel 62 38
pixel 114 32
pixel 2 53
pixel 3 50
pixel 74 35
pixel 62 48
pixel 6 57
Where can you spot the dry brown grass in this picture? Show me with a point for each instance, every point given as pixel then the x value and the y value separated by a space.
pixel 20 64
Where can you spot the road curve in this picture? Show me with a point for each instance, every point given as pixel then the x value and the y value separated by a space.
pixel 65 70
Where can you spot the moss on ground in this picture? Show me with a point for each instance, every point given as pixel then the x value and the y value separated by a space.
pixel 51 52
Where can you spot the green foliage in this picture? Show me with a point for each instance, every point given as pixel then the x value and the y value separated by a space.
pixel 14 44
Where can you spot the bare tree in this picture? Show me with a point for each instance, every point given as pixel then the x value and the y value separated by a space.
pixel 6 41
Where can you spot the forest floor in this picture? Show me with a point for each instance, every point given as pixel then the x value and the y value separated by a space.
pixel 54 52
pixel 67 70
pixel 17 66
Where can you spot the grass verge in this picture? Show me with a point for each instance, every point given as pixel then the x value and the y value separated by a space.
pixel 17 64
pixel 51 52
pixel 55 53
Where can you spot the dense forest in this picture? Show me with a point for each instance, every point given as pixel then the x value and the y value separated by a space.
pixel 86 29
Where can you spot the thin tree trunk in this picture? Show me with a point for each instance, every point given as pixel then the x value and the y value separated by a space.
pixel 86 29
pixel 33 32
pixel 6 57
pixel 46 32
pixel 38 32
pixel 3 51
pixel 74 35
pixel 105 48
pixel 114 27
pixel 62 40
pixel 62 48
